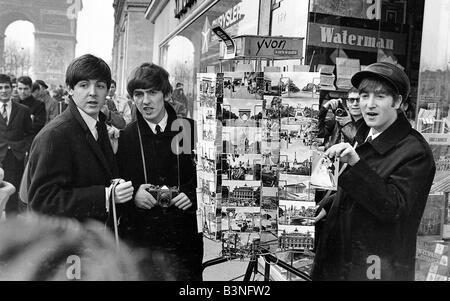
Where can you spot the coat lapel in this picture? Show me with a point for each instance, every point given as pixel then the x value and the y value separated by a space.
pixel 90 139
pixel 13 113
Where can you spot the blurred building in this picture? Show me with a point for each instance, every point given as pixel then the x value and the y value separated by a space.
pixel 55 26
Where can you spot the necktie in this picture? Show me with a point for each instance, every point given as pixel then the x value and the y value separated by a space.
pixel 103 141
pixel 5 113
pixel 158 129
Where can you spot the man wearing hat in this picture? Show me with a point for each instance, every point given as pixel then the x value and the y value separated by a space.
pixel 372 220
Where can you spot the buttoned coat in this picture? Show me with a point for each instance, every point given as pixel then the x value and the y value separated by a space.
pixel 68 171
pixel 17 134
pixel 375 214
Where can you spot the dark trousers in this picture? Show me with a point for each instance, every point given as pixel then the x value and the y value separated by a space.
pixel 13 174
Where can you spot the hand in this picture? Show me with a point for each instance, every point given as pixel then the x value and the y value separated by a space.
pixel 113 132
pixel 345 152
pixel 144 199
pixel 344 120
pixel 123 192
pixel 182 202
pixel 332 104
pixel 320 216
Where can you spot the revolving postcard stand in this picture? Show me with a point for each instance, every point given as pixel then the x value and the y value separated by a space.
pixel 257 135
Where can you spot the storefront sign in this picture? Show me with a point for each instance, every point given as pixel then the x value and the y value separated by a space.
pixel 363 9
pixel 355 39
pixel 181 7
pixel 269 47
pixel 229 18
pixel 437 139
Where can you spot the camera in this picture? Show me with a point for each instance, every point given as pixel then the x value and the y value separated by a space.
pixel 340 111
pixel 163 195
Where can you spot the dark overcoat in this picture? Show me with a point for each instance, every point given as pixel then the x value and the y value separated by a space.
pixel 171 231
pixel 377 210
pixel 68 171
pixel 17 134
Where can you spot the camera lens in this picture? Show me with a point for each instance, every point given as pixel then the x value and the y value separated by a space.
pixel 164 199
pixel 340 112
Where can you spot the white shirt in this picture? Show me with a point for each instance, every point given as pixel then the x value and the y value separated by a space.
pixel 162 124
pixel 90 122
pixel 371 134
pixel 8 109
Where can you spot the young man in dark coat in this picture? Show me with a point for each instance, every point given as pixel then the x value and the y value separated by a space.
pixel 71 160
pixel 15 140
pixel 372 221
pixel 37 107
pixel 148 155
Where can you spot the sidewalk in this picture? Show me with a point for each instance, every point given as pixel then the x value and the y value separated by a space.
pixel 224 271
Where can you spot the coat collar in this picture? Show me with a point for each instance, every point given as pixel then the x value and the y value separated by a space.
pixel 172 116
pixel 90 139
pixel 389 138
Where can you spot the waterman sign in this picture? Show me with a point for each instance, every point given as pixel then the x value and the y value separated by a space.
pixel 278 48
pixel 355 38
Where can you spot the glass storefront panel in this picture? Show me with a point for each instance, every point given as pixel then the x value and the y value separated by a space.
pixel 433 122
pixel 196 48
pixel 369 31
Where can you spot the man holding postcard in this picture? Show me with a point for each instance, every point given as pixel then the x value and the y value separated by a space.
pixel 372 220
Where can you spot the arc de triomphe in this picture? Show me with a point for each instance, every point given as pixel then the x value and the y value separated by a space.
pixel 55 33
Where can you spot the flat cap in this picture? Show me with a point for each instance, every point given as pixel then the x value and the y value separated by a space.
pixel 386 72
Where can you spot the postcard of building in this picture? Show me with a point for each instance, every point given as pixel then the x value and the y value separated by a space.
pixel 242 112
pixel 241 219
pixel 241 140
pixel 296 213
pixel 242 85
pixel 296 188
pixel 296 237
pixel 241 167
pixel 241 193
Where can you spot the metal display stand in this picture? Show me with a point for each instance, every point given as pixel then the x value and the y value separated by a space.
pixel 257 251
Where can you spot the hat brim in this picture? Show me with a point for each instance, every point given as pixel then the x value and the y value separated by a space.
pixel 361 75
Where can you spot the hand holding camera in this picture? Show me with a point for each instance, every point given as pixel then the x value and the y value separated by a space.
pixel 338 108
pixel 144 199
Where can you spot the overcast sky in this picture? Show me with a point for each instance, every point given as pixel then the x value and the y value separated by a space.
pixel 94 34
pixel 96 29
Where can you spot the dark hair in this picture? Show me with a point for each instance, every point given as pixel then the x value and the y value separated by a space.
pixel 352 90
pixel 35 87
pixel 88 67
pixel 46 243
pixel 113 82
pixel 149 75
pixel 375 84
pixel 25 80
pixel 5 79
pixel 179 85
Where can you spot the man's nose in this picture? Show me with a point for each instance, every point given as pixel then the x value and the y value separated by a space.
pixel 370 102
pixel 92 90
pixel 147 98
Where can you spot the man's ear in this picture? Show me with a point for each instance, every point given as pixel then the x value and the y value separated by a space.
pixel 398 102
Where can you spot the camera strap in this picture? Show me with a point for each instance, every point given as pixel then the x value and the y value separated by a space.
pixel 144 165
pixel 142 153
